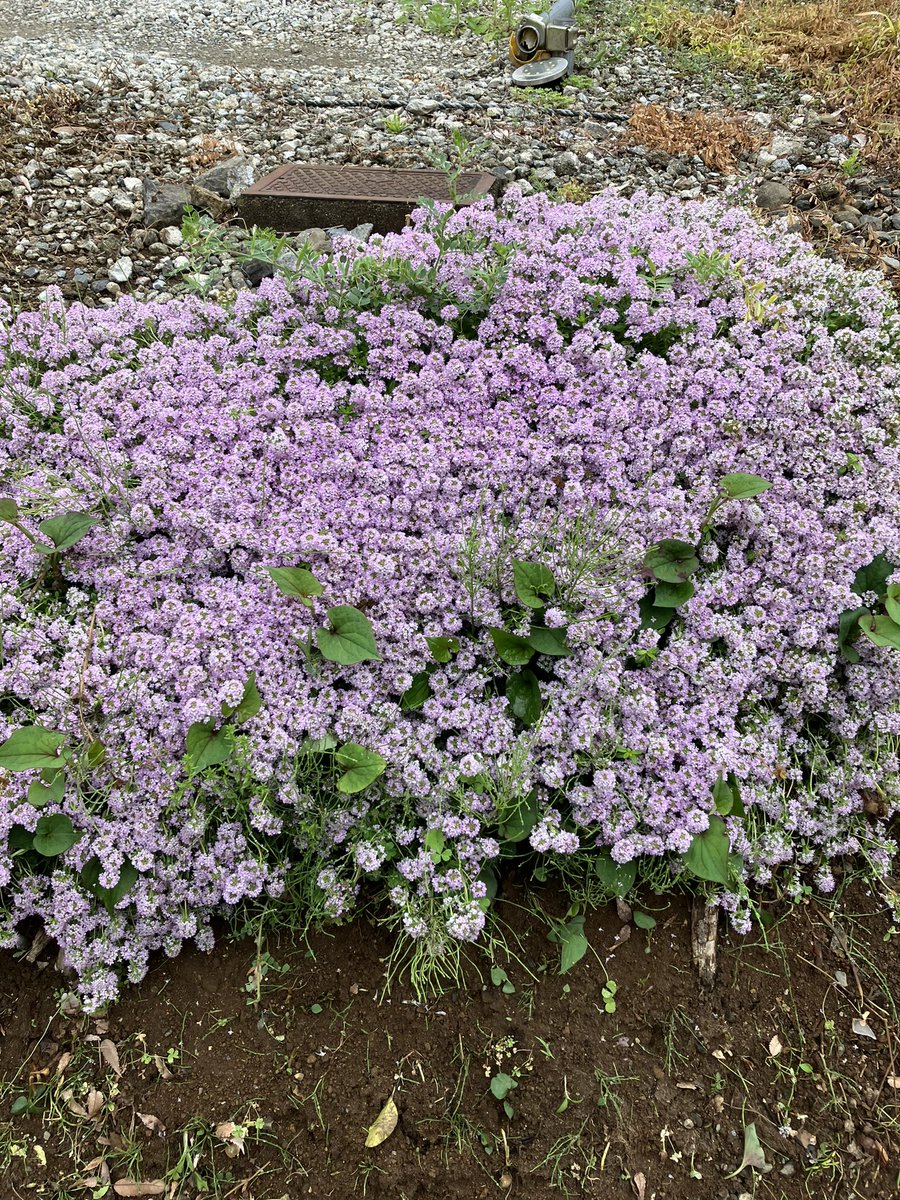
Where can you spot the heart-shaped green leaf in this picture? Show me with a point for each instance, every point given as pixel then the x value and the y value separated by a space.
pixel 707 855
pixel 574 943
pixel 9 510
pixel 551 642
pixel 524 695
pixel 672 595
pixel 442 648
pixel 671 560
pixel 208 746
pixel 251 701
pixel 349 639
pixel 892 602
pixel 873 577
pixel 41 794
pixel 881 630
pixel 55 834
pixel 617 878
pixel 361 767
pixel 417 692
pixel 512 649
pixel 296 581
pixel 68 529
pixel 31 749
pixel 534 583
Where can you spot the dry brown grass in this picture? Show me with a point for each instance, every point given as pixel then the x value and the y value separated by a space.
pixel 845 48
pixel 715 138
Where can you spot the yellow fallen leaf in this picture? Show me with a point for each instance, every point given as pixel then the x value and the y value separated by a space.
pixel 384 1125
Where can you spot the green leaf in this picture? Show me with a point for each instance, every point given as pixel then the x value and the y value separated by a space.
pixel 653 617
pixel 350 638
pixel 892 602
pixel 68 529
pixel 744 487
pixel 671 560
pixel 417 692
pixel 551 642
pixel 31 749
pixel 90 879
pixel 502 1085
pixel 707 855
pixel 534 583
pixel 723 797
pixel 617 878
pixel 318 745
pixel 361 767
pixel 296 581
pixel 519 823
pixel 524 695
pixel 435 842
pixel 251 701
pixel 644 920
pixel 574 943
pixel 874 577
pixel 9 510
pixel 208 746
pixel 442 648
pixel 40 794
pixel 512 649
pixel 54 834
pixel 848 629
pixel 672 595
pixel 880 630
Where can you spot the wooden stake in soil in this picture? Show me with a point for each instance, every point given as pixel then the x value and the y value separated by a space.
pixel 704 935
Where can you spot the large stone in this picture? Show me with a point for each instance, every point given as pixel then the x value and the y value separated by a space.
pixel 164 203
pixel 772 196
pixel 209 202
pixel 121 270
pixel 229 178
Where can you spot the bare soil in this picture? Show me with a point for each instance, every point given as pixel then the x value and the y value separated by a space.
pixel 301 1046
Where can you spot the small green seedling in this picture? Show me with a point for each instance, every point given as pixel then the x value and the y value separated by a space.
pixel 608 992
pixel 500 979
pixel 501 1085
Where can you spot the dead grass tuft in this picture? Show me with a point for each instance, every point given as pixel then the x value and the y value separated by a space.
pixel 717 139
pixel 845 48
pixel 53 106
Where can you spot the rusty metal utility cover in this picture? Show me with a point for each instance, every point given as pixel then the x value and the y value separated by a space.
pixel 301 197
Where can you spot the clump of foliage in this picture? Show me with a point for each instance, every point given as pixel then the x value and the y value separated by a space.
pixel 550 533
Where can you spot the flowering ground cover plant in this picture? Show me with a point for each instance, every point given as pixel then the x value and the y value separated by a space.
pixel 559 531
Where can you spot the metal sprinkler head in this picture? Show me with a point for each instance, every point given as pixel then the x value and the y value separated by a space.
pixel 542 47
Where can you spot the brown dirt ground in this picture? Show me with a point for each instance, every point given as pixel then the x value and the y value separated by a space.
pixel 659 1092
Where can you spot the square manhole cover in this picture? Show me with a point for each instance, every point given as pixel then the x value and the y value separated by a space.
pixel 300 197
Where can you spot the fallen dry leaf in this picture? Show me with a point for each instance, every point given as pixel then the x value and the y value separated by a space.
pixel 64 1061
pixel 94 1102
pixel 639 1183
pixel 893 1081
pixel 863 1029
pixel 622 936
pixel 164 1071
pixel 623 909
pixel 72 1104
pixel 775 1046
pixel 383 1125
pixel 130 1187
pixel 233 1135
pixel 110 1055
pixel 688 1087
pixel 154 1124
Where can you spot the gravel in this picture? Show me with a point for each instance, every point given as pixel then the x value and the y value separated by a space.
pixel 115 117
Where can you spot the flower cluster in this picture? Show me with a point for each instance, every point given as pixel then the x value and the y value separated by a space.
pixel 549 384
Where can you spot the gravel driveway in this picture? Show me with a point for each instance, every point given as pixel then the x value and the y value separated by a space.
pixel 95 97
